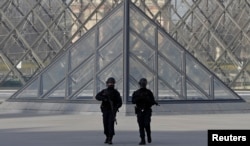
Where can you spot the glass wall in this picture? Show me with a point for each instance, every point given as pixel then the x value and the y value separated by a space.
pixel 34 32
pixel 82 69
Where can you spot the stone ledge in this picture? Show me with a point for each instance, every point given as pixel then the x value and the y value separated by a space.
pixel 128 109
pixel 196 108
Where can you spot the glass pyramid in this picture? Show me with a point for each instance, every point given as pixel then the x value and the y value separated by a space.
pixel 127 45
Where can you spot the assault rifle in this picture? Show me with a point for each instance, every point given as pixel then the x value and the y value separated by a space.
pixel 111 105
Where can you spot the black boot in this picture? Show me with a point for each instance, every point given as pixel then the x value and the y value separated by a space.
pixel 143 142
pixel 110 140
pixel 106 140
pixel 149 139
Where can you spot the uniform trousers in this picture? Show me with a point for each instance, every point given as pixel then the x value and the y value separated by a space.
pixel 144 119
pixel 108 122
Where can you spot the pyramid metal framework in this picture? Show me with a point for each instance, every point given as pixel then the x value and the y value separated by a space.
pixel 33 32
pixel 127 45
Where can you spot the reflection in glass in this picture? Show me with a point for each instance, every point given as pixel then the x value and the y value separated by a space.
pixel 54 74
pixel 31 91
pixel 197 73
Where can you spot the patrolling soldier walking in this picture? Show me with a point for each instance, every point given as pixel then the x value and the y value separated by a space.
pixel 111 102
pixel 144 100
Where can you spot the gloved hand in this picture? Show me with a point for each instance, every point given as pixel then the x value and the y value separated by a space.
pixel 116 109
pixel 104 98
pixel 105 95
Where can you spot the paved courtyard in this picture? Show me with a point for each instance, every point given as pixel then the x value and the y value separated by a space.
pixel 36 129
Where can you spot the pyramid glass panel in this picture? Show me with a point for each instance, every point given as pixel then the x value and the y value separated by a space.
pixel 32 29
pixel 109 52
pixel 142 51
pixel 169 50
pixel 197 73
pixel 58 93
pixel 86 93
pixel 143 27
pixel 83 49
pixel 81 70
pixel 31 91
pixel 243 79
pixel 213 31
pixel 3 32
pixel 81 76
pixel 138 70
pixel 109 28
pixel 28 66
pixel 13 14
pixel 55 73
pixel 13 49
pixel 166 93
pixel 4 68
pixel 222 92
pixel 194 94
pixel 167 73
